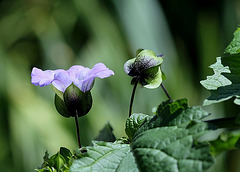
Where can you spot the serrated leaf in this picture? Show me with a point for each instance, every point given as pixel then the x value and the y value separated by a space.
pixel 156 146
pixel 104 156
pixel 172 106
pixel 134 122
pixel 169 141
pixel 175 113
pixel 170 149
pixel 128 164
pixel 225 82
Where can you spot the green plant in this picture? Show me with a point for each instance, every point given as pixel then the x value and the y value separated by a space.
pixel 171 139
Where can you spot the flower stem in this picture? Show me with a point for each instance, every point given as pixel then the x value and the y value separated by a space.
pixel 165 91
pixel 78 134
pixel 132 97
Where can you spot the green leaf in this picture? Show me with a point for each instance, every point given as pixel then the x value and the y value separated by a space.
pixel 46 169
pixel 225 82
pixel 226 141
pixel 170 149
pixel 58 162
pixel 228 80
pixel 166 142
pixel 168 107
pixel 128 164
pixel 106 134
pixel 175 113
pixel 234 46
pixel 44 166
pixel 134 122
pixel 104 156
pixel 217 80
pixel 67 155
pixel 169 141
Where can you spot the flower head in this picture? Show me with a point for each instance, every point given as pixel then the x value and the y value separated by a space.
pixel 80 76
pixel 72 86
pixel 145 69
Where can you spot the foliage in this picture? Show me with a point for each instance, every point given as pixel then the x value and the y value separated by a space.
pixel 104 156
pixel 167 141
pixel 58 162
pixel 134 122
pixel 225 82
pixel 225 141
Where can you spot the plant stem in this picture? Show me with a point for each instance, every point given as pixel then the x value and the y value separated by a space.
pixel 132 97
pixel 229 122
pixel 165 91
pixel 78 134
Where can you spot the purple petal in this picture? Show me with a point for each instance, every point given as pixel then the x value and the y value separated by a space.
pixel 62 80
pixel 99 70
pixel 78 72
pixel 41 78
pixel 81 76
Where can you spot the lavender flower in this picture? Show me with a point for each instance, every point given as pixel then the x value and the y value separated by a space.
pixel 72 86
pixel 61 79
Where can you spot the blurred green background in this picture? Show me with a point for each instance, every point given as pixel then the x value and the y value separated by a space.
pixel 52 34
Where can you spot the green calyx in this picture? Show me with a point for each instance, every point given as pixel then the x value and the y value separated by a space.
pixel 73 102
pixel 145 69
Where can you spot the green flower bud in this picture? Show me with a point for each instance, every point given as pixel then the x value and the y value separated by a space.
pixel 77 101
pixel 73 102
pixel 61 106
pixel 145 69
